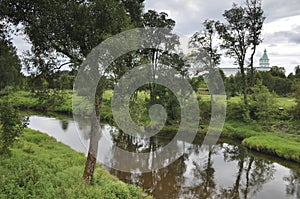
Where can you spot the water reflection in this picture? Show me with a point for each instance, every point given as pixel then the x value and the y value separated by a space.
pixel 64 124
pixel 293 184
pixel 194 177
pixel 212 171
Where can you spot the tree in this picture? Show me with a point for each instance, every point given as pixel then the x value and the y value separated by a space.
pixel 262 103
pixel 242 31
pixel 161 48
pixel 10 65
pixel 296 89
pixel 297 71
pixel 231 86
pixel 254 19
pixel 71 29
pixel 234 36
pixel 205 41
pixel 278 71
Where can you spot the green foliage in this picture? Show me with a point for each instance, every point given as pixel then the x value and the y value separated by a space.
pixel 48 99
pixel 205 41
pixel 138 109
pixel 275 81
pixel 231 86
pixel 296 89
pixel 40 167
pixel 10 67
pixel 237 111
pixel 262 104
pixel 11 127
pixel 278 71
pixel 205 110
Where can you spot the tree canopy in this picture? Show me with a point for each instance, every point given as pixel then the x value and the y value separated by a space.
pixel 10 64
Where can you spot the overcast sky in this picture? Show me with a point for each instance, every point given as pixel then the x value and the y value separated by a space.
pixel 281 31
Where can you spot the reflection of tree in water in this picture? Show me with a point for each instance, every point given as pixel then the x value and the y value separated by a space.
pixel 163 183
pixel 203 174
pixel 256 171
pixel 192 176
pixel 293 186
pixel 64 124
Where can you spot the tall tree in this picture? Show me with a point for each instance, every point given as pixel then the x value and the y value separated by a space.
pixel 206 40
pixel 161 44
pixel 254 19
pixel 234 35
pixel 72 29
pixel 10 65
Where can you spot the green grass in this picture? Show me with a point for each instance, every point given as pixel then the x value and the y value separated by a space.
pixel 275 145
pixel 40 167
pixel 272 142
pixel 240 130
pixel 236 99
pixel 286 102
pixel 21 99
pixel 26 100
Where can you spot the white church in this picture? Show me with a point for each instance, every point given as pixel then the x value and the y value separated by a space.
pixel 264 65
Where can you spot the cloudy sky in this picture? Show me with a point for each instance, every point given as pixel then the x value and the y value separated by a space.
pixel 281 31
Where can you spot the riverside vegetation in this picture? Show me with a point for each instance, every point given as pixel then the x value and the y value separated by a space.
pixel 272 131
pixel 40 167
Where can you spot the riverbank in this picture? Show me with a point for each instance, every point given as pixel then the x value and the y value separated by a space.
pixel 272 142
pixel 41 167
pixel 283 142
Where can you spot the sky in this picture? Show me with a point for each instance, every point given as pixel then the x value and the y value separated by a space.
pixel 281 31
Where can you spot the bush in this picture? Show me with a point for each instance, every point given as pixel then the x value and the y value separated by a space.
pixel 11 126
pixel 49 98
pixel 237 111
pixel 296 89
pixel 262 103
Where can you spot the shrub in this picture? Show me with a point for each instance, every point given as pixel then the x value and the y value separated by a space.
pixel 237 111
pixel 11 126
pixel 296 89
pixel 262 103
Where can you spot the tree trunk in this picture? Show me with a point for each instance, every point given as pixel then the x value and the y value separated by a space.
pixel 236 186
pixel 244 82
pixel 91 160
pixel 251 67
pixel 247 178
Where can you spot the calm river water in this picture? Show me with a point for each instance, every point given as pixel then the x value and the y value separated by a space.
pixel 224 170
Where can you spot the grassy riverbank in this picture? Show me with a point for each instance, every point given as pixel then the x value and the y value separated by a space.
pixel 268 141
pixel 40 167
pixel 281 138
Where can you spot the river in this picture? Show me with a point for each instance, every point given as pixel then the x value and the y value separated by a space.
pixel 224 170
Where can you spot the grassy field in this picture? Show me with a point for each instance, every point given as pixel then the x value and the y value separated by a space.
pixel 40 167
